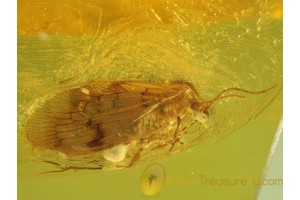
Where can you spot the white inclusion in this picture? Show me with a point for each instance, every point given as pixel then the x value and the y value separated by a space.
pixel 85 91
pixel 172 124
pixel 201 117
pixel 115 154
pixel 43 36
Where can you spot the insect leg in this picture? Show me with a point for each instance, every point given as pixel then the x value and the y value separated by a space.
pixel 176 137
pixel 176 134
pixel 63 169
pixel 66 168
pixel 136 157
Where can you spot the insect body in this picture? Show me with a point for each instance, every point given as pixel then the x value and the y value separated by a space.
pixel 118 121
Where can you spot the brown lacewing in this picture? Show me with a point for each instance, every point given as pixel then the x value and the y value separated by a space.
pixel 117 122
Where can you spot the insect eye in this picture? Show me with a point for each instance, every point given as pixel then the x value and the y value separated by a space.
pixel 199 107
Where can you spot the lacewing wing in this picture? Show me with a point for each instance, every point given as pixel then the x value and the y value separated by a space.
pixel 121 120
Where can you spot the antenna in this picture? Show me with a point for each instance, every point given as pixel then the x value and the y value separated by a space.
pixel 208 104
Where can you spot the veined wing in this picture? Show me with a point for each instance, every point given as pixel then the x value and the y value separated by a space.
pixel 96 116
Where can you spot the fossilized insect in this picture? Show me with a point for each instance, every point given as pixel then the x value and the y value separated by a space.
pixel 115 123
